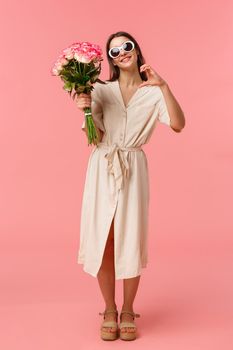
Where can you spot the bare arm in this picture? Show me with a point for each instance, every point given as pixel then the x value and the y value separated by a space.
pixel 174 109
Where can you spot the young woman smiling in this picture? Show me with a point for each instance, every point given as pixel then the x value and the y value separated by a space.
pixel 114 219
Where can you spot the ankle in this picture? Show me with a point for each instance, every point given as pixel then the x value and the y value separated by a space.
pixel 126 307
pixel 111 306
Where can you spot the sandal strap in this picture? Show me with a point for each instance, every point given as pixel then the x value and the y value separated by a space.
pixel 108 312
pixel 130 313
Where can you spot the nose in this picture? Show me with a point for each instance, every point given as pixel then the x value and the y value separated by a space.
pixel 122 53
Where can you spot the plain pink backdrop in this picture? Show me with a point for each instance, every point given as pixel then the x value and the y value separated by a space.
pixel 185 293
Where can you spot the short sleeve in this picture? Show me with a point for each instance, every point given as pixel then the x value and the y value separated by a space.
pixel 96 108
pixel 163 115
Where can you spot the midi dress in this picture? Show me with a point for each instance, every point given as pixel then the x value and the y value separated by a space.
pixel 117 181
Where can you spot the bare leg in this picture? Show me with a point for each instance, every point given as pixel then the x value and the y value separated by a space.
pixel 130 290
pixel 106 276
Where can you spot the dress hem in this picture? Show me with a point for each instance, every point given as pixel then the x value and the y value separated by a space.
pixel 79 261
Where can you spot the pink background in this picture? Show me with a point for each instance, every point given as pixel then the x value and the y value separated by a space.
pixel 185 293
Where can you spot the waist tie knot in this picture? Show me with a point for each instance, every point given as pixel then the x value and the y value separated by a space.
pixel 118 164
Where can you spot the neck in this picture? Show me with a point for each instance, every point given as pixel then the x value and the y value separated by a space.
pixel 130 77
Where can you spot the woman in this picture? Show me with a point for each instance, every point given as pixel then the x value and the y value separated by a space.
pixel 113 237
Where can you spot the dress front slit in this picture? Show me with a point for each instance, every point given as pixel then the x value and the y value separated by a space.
pixel 106 238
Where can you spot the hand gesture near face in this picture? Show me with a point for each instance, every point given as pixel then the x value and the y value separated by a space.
pixel 152 77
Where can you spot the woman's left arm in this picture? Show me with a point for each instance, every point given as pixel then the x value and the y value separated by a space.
pixel 175 112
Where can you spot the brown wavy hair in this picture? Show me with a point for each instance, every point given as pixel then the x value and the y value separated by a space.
pixel 114 70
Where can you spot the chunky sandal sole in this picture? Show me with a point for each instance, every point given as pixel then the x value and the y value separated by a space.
pixel 109 335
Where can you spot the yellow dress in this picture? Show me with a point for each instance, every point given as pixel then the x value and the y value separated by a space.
pixel 117 182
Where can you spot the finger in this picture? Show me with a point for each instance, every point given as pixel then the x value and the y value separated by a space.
pixel 82 103
pixel 146 68
pixel 85 99
pixel 143 66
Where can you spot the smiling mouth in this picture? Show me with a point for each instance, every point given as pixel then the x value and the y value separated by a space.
pixel 126 59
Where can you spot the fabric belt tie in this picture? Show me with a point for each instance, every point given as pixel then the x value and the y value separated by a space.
pixel 118 164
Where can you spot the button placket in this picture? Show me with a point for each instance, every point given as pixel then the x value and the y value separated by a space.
pixel 122 134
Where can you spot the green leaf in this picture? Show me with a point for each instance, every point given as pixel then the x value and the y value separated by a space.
pixel 67 86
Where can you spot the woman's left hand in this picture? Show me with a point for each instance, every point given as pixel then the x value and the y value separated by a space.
pixel 152 77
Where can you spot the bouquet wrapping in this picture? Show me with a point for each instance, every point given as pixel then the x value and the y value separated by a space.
pixel 79 66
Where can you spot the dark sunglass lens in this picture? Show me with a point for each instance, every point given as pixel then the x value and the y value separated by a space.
pixel 128 46
pixel 114 52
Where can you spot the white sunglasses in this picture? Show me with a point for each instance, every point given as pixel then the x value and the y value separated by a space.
pixel 127 46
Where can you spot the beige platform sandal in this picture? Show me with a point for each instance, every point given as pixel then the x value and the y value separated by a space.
pixel 128 335
pixel 109 334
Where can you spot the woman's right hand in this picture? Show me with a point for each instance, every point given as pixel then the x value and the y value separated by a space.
pixel 83 101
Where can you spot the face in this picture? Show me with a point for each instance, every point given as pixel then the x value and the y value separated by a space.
pixel 126 59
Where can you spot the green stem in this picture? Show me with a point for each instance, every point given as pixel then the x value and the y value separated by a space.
pixel 92 135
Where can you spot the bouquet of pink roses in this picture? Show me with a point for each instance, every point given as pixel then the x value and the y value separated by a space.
pixel 79 67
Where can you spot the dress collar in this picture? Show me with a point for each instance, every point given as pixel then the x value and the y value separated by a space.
pixel 115 87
